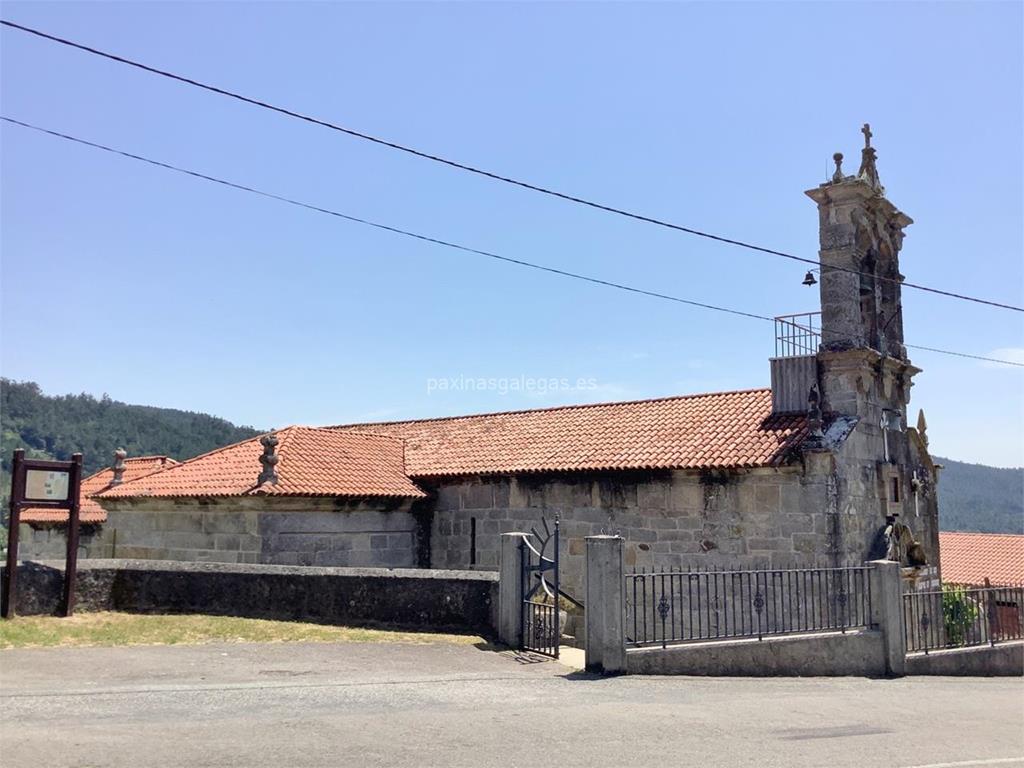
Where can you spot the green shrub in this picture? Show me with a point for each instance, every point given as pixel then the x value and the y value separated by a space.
pixel 960 612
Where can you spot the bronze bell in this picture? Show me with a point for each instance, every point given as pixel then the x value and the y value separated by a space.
pixel 809 279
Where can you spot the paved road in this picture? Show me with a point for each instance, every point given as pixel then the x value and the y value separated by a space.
pixel 285 706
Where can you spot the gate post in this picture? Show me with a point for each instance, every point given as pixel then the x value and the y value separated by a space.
pixel 510 590
pixel 606 605
pixel 887 613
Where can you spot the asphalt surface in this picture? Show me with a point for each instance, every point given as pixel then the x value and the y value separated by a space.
pixel 285 706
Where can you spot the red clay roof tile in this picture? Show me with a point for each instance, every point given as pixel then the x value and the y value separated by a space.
pixel 719 430
pixel 312 462
pixel 970 558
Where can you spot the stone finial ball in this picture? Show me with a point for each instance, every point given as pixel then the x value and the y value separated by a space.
pixel 838 157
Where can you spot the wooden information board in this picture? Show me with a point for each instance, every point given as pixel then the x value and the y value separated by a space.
pixel 50 485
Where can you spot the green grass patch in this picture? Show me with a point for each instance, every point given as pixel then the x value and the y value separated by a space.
pixel 111 629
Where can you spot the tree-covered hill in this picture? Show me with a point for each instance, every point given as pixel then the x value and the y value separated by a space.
pixel 54 427
pixel 973 497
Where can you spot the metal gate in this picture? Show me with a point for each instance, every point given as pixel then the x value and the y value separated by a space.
pixel 539 626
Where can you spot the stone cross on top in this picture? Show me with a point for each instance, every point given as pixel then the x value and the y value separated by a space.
pixel 868 171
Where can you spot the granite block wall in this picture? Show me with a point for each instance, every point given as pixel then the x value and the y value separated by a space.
pixel 272 531
pixel 758 518
pixel 50 542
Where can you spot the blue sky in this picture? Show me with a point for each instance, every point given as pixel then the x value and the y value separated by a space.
pixel 164 290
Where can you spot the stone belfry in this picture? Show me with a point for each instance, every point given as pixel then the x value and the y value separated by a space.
pixel 876 466
pixel 863 361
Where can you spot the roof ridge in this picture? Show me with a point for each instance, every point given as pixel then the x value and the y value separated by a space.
pixel 366 433
pixel 981 533
pixel 286 434
pixel 578 406
pixel 186 461
pixel 109 485
pixel 148 457
pixel 333 431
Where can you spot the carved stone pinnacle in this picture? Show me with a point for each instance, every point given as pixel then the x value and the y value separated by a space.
pixel 268 460
pixel 838 158
pixel 119 456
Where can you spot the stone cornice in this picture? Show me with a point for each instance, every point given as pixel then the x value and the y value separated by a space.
pixel 860 357
pixel 853 189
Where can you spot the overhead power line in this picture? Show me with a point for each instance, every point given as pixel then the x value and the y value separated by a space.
pixel 438 241
pixel 485 173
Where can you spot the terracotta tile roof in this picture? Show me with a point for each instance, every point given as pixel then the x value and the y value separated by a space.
pixel 970 558
pixel 88 510
pixel 720 430
pixel 313 462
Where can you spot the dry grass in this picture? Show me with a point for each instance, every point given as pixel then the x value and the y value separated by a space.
pixel 109 629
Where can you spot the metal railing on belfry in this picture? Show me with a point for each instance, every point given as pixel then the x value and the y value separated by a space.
pixel 797 335
pixel 680 606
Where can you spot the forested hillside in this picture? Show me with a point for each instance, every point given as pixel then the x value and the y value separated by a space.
pixel 973 497
pixel 54 427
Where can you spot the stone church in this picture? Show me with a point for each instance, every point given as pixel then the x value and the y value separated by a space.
pixel 810 471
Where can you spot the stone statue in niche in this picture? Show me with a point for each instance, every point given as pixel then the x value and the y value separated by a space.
pixel 900 545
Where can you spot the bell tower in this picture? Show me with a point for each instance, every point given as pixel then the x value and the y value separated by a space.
pixel 861 234
pixel 862 359
pixel 876 464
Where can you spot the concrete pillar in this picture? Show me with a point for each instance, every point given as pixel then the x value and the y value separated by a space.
pixel 887 613
pixel 605 605
pixel 510 590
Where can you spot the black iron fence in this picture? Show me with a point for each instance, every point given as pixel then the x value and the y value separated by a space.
pixel 539 617
pixel 541 631
pixel 961 616
pixel 677 606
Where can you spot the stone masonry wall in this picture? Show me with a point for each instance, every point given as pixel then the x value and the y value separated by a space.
pixel 760 518
pixel 863 476
pixel 50 542
pixel 273 531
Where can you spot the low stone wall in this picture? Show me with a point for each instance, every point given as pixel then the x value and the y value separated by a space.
pixel 406 597
pixel 1006 660
pixel 820 655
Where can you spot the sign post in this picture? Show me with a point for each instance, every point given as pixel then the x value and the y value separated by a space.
pixel 47 484
pixel 13 525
